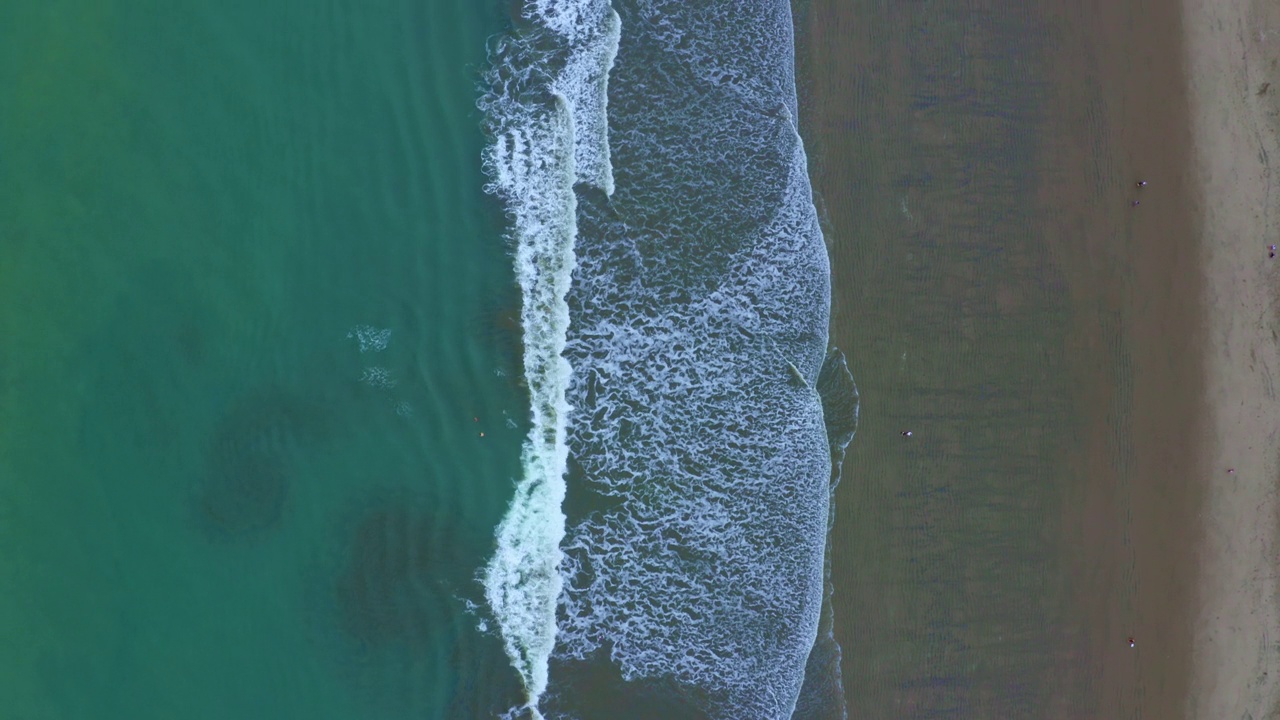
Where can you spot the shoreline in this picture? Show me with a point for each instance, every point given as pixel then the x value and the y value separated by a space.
pixel 940 173
pixel 1170 349
pixel 1232 51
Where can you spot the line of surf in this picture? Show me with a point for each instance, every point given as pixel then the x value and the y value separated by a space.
pixel 544 108
pixel 701 315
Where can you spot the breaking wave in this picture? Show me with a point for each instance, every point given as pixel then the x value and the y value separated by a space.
pixel 544 109
pixel 649 153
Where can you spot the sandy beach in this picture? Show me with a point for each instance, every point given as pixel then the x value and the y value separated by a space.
pixel 1083 522
pixel 1233 49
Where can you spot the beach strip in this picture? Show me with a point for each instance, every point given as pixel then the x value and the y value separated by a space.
pixel 1232 51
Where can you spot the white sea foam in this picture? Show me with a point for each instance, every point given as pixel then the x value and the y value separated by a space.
pixel 522 580
pixel 700 324
pixel 585 81
pixel 539 150
pixel 369 338
pixel 709 570
pixel 699 314
pixel 378 377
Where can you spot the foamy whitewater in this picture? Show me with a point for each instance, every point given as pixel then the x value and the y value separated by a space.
pixel 650 154
pixel 537 155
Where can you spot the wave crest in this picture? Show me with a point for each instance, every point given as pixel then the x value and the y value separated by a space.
pixel 544 108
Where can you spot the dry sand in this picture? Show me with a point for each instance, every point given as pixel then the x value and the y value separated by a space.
pixel 1232 53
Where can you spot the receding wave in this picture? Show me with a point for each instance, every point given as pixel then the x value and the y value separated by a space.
pixel 544 109
pixel 822 697
pixel 700 312
pixel 649 151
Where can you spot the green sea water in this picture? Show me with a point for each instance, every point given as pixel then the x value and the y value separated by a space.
pixel 225 490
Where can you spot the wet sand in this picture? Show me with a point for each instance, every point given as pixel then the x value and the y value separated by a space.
pixel 1075 369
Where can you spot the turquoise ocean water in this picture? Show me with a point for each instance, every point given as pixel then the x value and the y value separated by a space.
pixel 258 409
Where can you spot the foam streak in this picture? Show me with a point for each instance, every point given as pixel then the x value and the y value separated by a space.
pixel 536 156
pixel 522 581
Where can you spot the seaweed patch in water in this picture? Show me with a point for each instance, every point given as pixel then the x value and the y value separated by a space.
pixel 386 601
pixel 387 594
pixel 499 328
pixel 245 483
